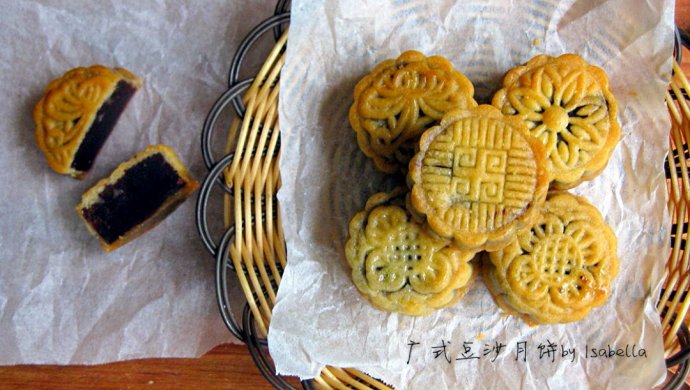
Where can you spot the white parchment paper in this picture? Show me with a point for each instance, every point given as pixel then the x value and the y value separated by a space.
pixel 63 300
pixel 321 319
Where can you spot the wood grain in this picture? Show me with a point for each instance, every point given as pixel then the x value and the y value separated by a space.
pixel 225 367
pixel 683 14
pixel 683 21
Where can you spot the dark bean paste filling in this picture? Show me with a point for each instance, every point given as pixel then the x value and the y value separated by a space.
pixel 135 197
pixel 103 124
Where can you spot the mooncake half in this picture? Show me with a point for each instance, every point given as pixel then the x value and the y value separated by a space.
pixel 77 113
pixel 401 267
pixel 567 105
pixel 560 269
pixel 399 100
pixel 136 196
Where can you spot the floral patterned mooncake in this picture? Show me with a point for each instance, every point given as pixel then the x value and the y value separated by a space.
pixel 560 269
pixel 401 98
pixel 398 265
pixel 77 113
pixel 567 105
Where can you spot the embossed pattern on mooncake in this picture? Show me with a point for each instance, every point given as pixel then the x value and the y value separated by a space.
pixel 479 178
pixel 560 269
pixel 399 266
pixel 399 100
pixel 71 105
pixel 567 105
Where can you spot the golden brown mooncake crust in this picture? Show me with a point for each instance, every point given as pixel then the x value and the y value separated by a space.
pixel 401 98
pixel 401 267
pixel 67 109
pixel 479 178
pixel 568 106
pixel 560 269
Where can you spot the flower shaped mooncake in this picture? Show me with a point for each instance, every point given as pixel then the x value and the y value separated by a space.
pixel 479 178
pixel 567 104
pixel 560 269
pixel 400 267
pixel 401 98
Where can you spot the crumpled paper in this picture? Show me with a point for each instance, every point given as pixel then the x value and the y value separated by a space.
pixel 62 299
pixel 319 317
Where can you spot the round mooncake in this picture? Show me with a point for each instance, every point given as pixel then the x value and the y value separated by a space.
pixel 567 105
pixel 560 269
pixel 401 98
pixel 478 178
pixel 398 265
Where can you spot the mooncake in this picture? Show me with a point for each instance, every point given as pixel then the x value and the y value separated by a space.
pixel 567 105
pixel 400 99
pixel 560 269
pixel 77 113
pixel 398 265
pixel 136 196
pixel 479 178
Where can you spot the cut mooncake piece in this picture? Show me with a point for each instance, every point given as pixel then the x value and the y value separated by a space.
pixel 560 269
pixel 139 194
pixel 479 178
pixel 77 113
pixel 401 98
pixel 401 267
pixel 567 105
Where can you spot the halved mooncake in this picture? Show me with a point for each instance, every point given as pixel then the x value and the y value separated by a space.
pixel 479 178
pixel 139 194
pixel 567 105
pixel 77 113
pixel 398 265
pixel 401 98
pixel 560 269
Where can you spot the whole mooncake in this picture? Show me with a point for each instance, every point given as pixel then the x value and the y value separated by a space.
pixel 478 178
pixel 399 100
pixel 399 266
pixel 77 113
pixel 567 105
pixel 560 269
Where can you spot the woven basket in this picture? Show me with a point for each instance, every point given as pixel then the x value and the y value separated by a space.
pixel 252 250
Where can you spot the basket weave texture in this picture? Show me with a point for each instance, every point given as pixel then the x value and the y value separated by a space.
pixel 258 252
pixel 673 304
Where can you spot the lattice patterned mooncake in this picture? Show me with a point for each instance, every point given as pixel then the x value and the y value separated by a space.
pixel 479 178
pixel 560 269
pixel 399 266
pixel 567 104
pixel 401 98
pixel 77 113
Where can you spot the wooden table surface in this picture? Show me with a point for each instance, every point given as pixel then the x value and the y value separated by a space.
pixel 225 367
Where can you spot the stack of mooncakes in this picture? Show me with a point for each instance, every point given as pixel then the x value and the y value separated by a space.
pixel 485 188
